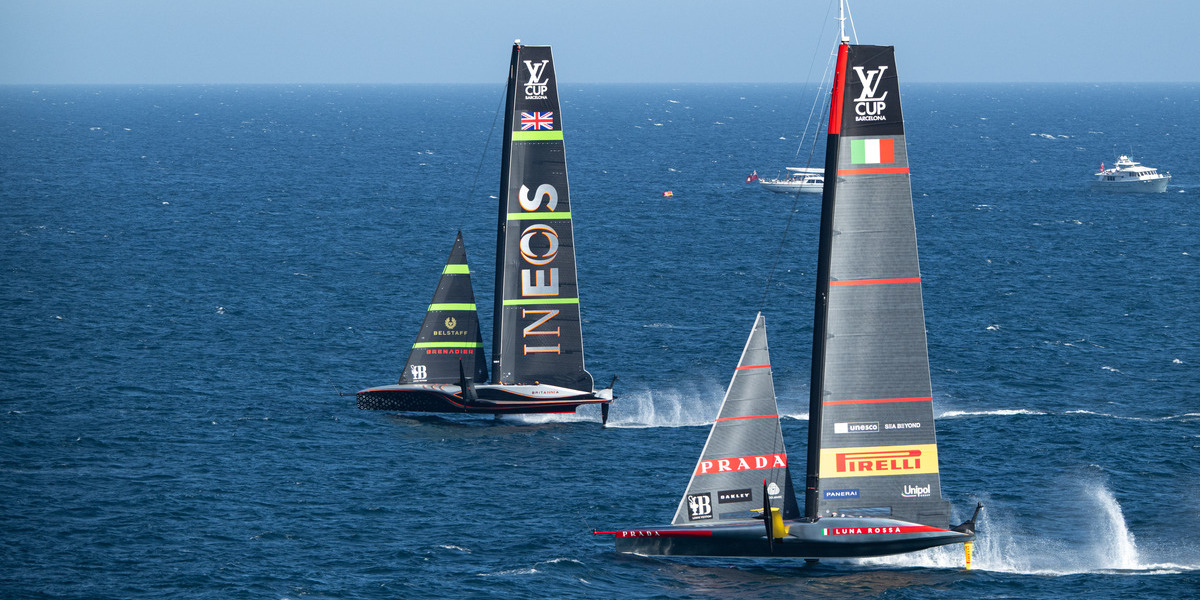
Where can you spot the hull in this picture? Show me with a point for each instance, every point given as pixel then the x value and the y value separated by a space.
pixel 791 187
pixel 831 537
pixel 1144 186
pixel 491 399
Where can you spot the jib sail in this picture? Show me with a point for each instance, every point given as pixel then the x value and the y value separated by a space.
pixel 450 332
pixel 744 448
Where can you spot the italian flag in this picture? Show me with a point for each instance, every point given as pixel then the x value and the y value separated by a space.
pixel 868 152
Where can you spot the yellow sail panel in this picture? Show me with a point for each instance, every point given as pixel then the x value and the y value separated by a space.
pixel 875 461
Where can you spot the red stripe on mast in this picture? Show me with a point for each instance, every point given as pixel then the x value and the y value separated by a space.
pixel 839 81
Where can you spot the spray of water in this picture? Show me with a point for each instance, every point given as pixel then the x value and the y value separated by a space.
pixel 1100 543
pixel 688 407
pixel 679 407
pixel 1121 552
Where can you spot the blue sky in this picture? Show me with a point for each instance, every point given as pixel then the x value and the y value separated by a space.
pixel 602 41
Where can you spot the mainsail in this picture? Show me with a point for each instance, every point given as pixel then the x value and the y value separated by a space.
pixel 872 448
pixel 744 448
pixel 450 333
pixel 537 335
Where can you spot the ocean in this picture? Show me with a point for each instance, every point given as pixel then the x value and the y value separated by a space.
pixel 193 274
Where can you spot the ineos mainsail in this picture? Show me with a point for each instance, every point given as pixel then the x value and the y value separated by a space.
pixel 872 483
pixel 537 338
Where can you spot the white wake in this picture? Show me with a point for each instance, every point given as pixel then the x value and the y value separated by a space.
pixel 1103 544
pixel 687 407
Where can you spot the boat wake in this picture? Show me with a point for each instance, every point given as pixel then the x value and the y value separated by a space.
pixel 951 414
pixel 1010 412
pixel 695 405
pixel 1184 416
pixel 537 568
pixel 689 407
pixel 1106 546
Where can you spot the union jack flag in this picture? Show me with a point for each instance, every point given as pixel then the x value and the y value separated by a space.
pixel 537 120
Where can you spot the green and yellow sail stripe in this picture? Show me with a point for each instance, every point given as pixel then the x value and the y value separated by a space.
pixel 451 306
pixel 533 301
pixel 540 216
pixel 456 270
pixel 537 136
pixel 448 345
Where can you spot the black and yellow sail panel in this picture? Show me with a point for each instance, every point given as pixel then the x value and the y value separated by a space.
pixel 450 332
pixel 538 337
pixel 876 445
pixel 878 461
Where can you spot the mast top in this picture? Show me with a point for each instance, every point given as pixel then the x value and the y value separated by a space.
pixel 842 21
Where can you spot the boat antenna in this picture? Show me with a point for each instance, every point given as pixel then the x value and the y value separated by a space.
pixel 842 21
pixel 843 11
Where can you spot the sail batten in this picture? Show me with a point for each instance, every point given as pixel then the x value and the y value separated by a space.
pixel 540 216
pixel 877 400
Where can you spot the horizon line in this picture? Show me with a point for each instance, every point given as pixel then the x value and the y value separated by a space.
pixel 562 83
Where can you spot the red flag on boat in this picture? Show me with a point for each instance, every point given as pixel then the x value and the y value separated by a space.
pixel 752 177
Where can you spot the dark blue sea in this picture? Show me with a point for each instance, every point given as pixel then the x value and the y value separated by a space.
pixel 192 274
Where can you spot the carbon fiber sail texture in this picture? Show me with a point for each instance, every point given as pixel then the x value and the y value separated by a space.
pixel 450 332
pixel 537 336
pixel 871 430
pixel 744 448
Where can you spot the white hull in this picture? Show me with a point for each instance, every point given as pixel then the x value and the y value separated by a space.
pixel 785 186
pixel 1144 186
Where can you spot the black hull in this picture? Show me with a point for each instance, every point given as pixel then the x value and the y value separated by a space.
pixel 492 400
pixel 850 538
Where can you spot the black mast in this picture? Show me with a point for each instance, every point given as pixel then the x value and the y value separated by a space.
pixel 502 218
pixel 821 310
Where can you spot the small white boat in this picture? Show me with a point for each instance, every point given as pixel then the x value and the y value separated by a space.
pixel 1130 176
pixel 801 180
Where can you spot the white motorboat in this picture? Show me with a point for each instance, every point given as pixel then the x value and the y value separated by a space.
pixel 800 180
pixel 1130 176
